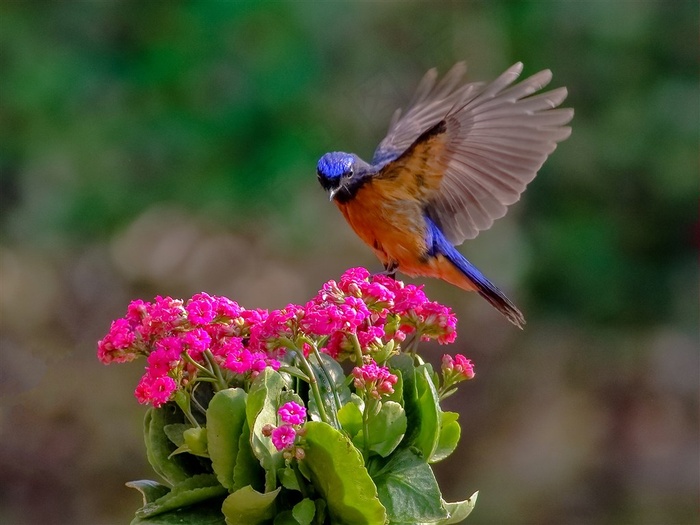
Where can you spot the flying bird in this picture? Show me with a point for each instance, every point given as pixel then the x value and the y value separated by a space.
pixel 450 165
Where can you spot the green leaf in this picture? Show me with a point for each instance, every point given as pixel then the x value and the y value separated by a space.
pixel 429 410
pixel 175 432
pixel 450 432
pixel 285 518
pixel 459 510
pixel 247 506
pixel 263 403
pixel 159 447
pixel 206 513
pixel 288 478
pixel 226 416
pixel 196 441
pixel 397 395
pixel 421 403
pixel 408 489
pixel 247 470
pixel 331 382
pixel 350 416
pixel 150 490
pixel 337 471
pixel 295 372
pixel 188 492
pixel 304 511
pixel 385 429
pixel 321 511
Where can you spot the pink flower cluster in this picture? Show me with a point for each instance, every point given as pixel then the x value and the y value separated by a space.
pixel 377 381
pixel 292 416
pixel 457 368
pixel 378 309
pixel 181 339
pixel 174 336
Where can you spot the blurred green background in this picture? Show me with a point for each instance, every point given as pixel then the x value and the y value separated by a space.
pixel 170 147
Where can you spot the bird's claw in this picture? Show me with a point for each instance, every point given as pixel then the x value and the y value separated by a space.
pixel 390 269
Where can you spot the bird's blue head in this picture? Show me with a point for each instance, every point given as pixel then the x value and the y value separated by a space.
pixel 341 171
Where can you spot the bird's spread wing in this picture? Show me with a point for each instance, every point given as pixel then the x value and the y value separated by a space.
pixel 485 149
pixel 431 102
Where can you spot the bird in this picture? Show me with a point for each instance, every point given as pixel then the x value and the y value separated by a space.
pixel 449 166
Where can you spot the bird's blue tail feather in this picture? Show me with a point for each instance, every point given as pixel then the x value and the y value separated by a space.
pixel 438 244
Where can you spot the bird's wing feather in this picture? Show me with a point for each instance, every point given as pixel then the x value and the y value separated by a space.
pixel 429 105
pixel 489 147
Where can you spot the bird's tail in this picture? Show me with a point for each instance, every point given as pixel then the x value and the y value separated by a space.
pixel 464 274
pixel 473 279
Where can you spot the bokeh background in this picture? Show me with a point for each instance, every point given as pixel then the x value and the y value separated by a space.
pixel 170 147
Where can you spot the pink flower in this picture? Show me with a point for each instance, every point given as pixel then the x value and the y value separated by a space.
pixel 116 346
pixel 322 319
pixel 273 363
pixel 283 437
pixel 226 346
pixel 292 413
pixel 353 277
pixel 355 311
pixel 369 335
pixel 277 324
pixel 155 390
pixel 464 366
pixel 165 357
pixel 239 361
pixel 375 380
pixel 376 292
pixel 225 307
pixel 197 341
pixel 258 362
pixel 137 311
pixel 166 310
pixel 458 368
pixel 433 321
pixel 409 297
pixel 201 309
pixel 247 319
pixel 336 344
pixel 161 317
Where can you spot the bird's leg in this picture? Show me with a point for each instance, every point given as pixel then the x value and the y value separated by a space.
pixel 390 269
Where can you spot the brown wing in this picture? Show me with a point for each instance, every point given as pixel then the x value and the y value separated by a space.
pixel 431 102
pixel 481 155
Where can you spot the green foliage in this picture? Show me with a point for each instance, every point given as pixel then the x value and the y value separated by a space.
pixel 371 469
pixel 337 471
pixel 385 429
pixel 407 488
pixel 247 506
pixel 450 432
pixel 263 402
pixel 159 448
pixel 192 490
pixel 226 416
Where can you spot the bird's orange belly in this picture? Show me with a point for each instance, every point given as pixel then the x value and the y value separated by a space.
pixel 396 232
pixel 394 229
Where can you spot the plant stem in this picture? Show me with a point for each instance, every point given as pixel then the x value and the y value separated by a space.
pixel 331 386
pixel 222 384
pixel 357 348
pixel 313 383
pixel 199 367
pixel 369 408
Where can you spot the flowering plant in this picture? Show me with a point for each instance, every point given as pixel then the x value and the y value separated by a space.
pixel 253 418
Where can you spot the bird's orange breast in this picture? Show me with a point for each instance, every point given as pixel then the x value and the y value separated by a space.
pixel 388 215
pixel 388 218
